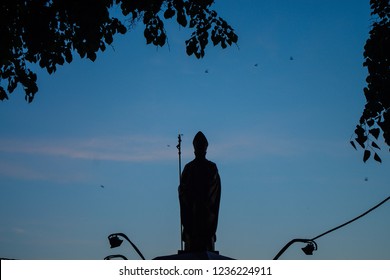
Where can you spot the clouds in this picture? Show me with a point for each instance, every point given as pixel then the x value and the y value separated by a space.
pixel 157 148
pixel 116 148
pixel 66 159
pixel 69 160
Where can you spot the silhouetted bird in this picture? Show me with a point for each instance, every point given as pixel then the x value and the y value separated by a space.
pixel 102 186
pixel 256 65
pixel 366 179
pixel 291 58
pixel 207 70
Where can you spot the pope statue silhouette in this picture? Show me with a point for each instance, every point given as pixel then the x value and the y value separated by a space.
pixel 199 196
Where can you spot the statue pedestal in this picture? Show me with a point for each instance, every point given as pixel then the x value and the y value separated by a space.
pixel 203 255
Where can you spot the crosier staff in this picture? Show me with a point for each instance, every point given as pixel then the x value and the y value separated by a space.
pixel 179 152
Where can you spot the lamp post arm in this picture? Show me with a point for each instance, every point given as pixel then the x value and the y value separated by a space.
pixel 351 221
pixel 311 241
pixel 115 256
pixel 289 244
pixel 132 244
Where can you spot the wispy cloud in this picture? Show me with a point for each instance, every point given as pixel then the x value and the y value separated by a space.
pixel 121 148
pixel 18 230
pixel 41 159
pixel 253 145
pixel 149 148
pixel 62 160
pixel 41 171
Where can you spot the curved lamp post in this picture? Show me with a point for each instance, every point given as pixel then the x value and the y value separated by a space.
pixel 312 245
pixel 115 241
pixel 308 250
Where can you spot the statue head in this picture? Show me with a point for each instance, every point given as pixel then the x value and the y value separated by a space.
pixel 200 144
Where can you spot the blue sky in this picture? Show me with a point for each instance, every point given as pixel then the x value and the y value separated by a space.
pixel 279 133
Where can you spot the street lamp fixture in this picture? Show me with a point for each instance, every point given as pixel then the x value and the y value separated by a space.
pixel 308 250
pixel 115 241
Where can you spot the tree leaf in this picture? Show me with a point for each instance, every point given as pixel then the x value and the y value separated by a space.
pixel 353 144
pixel 3 94
pixel 122 29
pixel 91 56
pixel 377 158
pixel 375 145
pixel 361 141
pixel 169 13
pixel 375 132
pixel 108 38
pixel 181 19
pixel 367 155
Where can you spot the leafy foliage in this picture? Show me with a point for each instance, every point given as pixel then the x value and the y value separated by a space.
pixel 50 32
pixel 376 115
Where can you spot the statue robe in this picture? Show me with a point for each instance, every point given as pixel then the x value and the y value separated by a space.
pixel 199 196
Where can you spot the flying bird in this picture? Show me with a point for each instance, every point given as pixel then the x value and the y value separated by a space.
pixel 207 70
pixel 256 65
pixel 291 58
pixel 102 186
